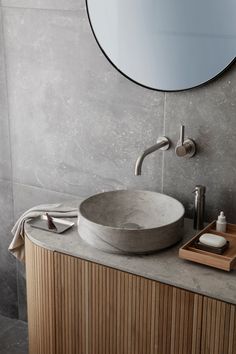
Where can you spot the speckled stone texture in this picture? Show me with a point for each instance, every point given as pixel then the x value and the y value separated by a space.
pixel 84 123
pixel 127 222
pixel 77 126
pixel 209 114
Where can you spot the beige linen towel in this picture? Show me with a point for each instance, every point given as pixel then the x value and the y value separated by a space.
pixel 17 246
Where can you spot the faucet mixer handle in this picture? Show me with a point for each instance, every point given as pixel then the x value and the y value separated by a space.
pixel 181 140
pixel 185 147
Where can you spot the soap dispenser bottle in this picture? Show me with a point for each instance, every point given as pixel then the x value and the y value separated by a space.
pixel 221 222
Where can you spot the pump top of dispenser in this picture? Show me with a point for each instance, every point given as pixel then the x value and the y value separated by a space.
pixel 221 217
pixel 199 189
pixel 221 222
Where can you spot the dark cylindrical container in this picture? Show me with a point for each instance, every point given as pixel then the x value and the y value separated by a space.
pixel 199 207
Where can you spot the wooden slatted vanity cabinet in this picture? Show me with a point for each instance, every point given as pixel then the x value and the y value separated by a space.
pixel 78 305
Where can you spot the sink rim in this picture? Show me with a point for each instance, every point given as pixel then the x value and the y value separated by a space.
pixel 129 228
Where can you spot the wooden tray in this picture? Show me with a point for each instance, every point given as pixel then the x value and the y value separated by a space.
pixel 226 261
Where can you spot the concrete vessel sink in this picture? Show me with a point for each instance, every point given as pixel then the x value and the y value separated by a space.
pixel 131 221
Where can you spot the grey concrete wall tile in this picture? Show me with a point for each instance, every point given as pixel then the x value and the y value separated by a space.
pixel 8 290
pixel 77 124
pixel 8 296
pixel 5 324
pixel 15 339
pixel 46 4
pixel 5 156
pixel 209 116
pixel 26 197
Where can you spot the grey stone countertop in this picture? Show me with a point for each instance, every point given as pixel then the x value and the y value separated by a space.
pixel 164 266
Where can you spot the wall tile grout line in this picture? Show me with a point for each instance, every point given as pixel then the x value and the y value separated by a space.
pixel 6 180
pixel 163 153
pixel 47 189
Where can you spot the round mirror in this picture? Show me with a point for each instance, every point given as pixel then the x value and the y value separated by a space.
pixel 167 45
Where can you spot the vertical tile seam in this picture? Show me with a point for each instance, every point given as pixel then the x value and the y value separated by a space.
pixel 163 153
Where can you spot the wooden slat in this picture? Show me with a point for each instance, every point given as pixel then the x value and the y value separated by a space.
pixel 197 324
pixel 232 331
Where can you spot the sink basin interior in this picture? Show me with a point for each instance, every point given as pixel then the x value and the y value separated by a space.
pixel 131 210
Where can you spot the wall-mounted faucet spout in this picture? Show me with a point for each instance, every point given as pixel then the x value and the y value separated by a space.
pixel 162 143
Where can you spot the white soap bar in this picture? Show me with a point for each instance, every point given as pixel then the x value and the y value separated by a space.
pixel 212 240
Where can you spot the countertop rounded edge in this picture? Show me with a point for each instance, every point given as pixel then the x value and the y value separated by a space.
pixel 146 269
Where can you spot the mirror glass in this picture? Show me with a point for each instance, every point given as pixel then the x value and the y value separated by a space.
pixel 167 45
